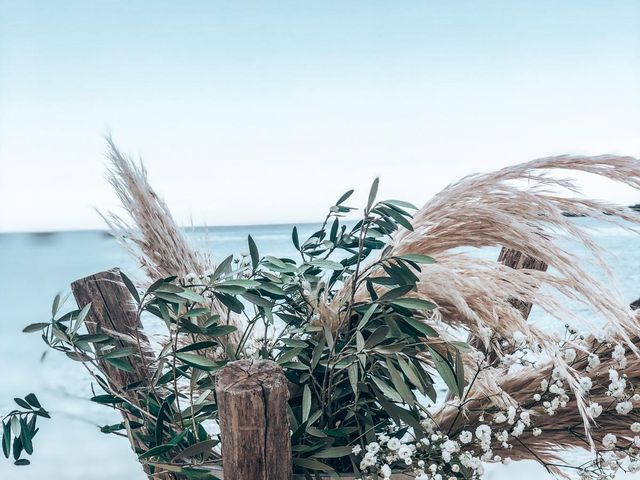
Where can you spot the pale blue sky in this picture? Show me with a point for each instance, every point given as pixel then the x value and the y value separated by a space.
pixel 263 112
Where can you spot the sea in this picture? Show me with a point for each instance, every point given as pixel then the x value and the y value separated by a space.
pixel 34 267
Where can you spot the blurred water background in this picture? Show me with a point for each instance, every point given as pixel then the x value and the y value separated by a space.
pixel 34 267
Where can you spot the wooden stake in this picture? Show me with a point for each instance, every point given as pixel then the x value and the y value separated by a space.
pixel 252 400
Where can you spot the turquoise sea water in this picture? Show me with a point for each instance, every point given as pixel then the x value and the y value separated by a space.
pixel 34 268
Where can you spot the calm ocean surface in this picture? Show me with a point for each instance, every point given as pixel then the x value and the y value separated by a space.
pixel 34 268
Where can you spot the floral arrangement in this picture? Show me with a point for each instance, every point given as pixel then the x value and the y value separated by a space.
pixel 367 321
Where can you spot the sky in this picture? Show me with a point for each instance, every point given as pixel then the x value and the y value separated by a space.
pixel 265 112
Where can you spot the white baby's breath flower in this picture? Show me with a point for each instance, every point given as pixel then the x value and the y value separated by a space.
pixel 618 355
pixel 500 418
pixel 609 441
pixel 635 427
pixel 465 437
pixel 373 447
pixel 586 384
pixel 595 409
pixel 593 361
pixel 536 432
pixel 394 444
pixel 624 407
pixel 569 355
pixel 404 452
pixel 511 415
pixel 519 338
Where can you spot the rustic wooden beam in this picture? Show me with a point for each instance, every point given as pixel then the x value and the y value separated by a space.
pixel 252 400
pixel 113 312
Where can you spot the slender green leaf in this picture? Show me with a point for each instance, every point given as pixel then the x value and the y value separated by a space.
pixel 367 315
pixel 196 449
pixel 33 400
pixel 416 258
pixel 55 306
pixel 399 383
pixel 35 327
pixel 333 452
pixel 445 370
pixel 253 252
pixel 344 197
pixel 373 192
pixel 294 238
pixel 120 363
pixel 130 286
pixel 327 264
pixel 378 335
pixel 353 377
pixel 6 438
pixel 81 317
pixel 156 451
pixel 386 390
pixel 306 403
pixel 459 373
pixel 197 361
pixel 25 436
pixel 414 303
pixel 120 352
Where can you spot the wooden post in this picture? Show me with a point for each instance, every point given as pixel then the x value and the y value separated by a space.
pixel 113 311
pixel 517 260
pixel 252 400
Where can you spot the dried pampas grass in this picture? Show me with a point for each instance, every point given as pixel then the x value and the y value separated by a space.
pixel 150 234
pixel 521 207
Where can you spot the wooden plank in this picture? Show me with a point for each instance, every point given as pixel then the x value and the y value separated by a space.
pixel 252 400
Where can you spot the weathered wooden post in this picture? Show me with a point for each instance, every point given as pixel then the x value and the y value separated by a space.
pixel 113 310
pixel 517 260
pixel 252 400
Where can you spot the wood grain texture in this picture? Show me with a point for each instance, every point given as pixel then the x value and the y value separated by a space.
pixel 252 400
pixel 113 311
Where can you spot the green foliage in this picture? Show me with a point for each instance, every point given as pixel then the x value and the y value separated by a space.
pixel 354 371
pixel 19 427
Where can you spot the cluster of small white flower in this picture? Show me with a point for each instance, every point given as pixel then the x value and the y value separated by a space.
pixel 438 456
pixel 555 394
